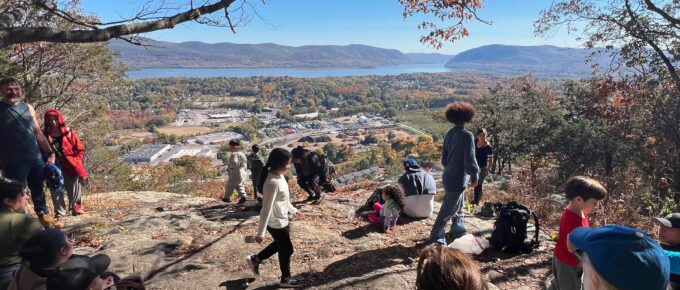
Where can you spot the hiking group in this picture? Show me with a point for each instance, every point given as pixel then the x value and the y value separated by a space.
pixel 35 254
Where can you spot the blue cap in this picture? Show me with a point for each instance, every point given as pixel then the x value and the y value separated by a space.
pixel 627 258
pixel 410 162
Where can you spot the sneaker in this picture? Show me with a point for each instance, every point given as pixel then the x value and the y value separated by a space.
pixel 78 209
pixel 254 264
pixel 48 222
pixel 226 199
pixel 289 283
pixel 310 198
pixel 242 200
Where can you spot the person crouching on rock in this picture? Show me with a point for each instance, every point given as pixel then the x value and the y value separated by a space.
pixel 310 172
pixel 276 209
pixel 237 172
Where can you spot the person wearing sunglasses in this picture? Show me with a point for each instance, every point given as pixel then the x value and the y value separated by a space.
pixel 619 258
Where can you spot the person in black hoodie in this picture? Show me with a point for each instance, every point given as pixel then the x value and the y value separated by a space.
pixel 310 171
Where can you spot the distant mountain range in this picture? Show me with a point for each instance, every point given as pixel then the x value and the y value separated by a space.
pixel 491 59
pixel 541 60
pixel 159 54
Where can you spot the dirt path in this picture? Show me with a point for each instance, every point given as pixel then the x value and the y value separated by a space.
pixel 178 242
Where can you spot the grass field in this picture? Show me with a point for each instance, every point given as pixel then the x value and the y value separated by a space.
pixel 183 131
pixel 423 120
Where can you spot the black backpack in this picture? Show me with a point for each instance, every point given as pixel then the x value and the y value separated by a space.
pixel 510 229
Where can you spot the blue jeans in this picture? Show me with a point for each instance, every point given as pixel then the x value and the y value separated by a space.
pixel 31 172
pixel 451 209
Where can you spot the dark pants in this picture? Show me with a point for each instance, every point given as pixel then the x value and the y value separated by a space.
pixel 309 184
pixel 31 172
pixel 282 245
pixel 478 189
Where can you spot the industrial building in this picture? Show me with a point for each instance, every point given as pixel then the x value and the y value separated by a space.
pixel 147 153
pixel 217 138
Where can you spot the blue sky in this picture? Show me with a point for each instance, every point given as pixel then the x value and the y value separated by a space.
pixel 341 22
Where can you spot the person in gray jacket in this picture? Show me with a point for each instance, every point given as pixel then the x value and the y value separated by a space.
pixel 419 188
pixel 237 172
pixel 460 171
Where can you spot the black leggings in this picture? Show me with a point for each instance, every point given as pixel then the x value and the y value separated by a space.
pixel 282 245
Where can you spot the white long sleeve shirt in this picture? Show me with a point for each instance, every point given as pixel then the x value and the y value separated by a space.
pixel 276 204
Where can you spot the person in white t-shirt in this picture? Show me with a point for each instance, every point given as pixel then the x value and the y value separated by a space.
pixel 274 216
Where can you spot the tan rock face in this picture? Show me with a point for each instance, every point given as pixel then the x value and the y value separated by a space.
pixel 179 242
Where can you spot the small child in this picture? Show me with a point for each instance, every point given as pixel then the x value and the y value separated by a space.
pixel 387 214
pixel 237 172
pixel 583 194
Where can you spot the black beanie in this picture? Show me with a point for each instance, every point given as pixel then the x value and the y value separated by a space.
pixel 41 249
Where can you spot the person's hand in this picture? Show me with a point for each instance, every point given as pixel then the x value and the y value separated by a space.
pixel 51 158
pixel 473 183
pixel 297 214
pixel 259 240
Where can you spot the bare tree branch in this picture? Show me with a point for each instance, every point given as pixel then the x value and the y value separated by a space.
pixel 16 35
pixel 652 7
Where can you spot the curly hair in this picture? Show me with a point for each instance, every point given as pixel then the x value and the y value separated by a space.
pixel 396 192
pixel 442 268
pixel 459 113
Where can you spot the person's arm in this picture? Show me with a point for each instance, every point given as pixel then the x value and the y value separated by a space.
pixel 44 145
pixel 269 192
pixel 77 145
pixel 445 151
pixel 469 159
pixel 674 258
pixel 430 184
pixel 489 163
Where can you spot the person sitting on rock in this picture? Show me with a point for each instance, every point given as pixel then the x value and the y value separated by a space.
pixel 309 168
pixel 41 254
pixel 16 227
pixel 619 258
pixel 444 268
pixel 419 188
pixel 387 213
pixel 669 236
pixel 236 167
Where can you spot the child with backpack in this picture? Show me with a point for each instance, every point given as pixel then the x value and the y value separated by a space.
pixel 387 213
pixel 583 194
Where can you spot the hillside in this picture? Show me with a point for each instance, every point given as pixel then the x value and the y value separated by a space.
pixel 509 59
pixel 159 54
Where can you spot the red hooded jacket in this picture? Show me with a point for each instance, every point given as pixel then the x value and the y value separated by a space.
pixel 70 158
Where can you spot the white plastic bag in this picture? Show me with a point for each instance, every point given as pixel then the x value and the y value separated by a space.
pixel 470 244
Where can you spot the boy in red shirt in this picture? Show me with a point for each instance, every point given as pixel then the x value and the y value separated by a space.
pixel 583 194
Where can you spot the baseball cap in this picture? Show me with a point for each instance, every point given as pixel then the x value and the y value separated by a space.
pixel 671 220
pixel 627 258
pixel 41 249
pixel 78 272
pixel 410 163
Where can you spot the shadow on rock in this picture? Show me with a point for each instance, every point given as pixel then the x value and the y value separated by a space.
pixel 361 264
pixel 229 212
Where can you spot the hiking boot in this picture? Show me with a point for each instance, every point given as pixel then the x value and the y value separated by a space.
pixel 242 200
pixel 48 222
pixel 319 198
pixel 77 209
pixel 289 283
pixel 254 264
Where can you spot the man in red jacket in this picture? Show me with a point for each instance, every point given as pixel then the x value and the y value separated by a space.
pixel 70 152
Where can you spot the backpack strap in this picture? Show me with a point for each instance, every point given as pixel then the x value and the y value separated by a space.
pixel 419 185
pixel 534 243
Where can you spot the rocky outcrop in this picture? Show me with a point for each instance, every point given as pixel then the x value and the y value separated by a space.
pixel 179 242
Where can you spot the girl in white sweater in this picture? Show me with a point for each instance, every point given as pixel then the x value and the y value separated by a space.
pixel 276 208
